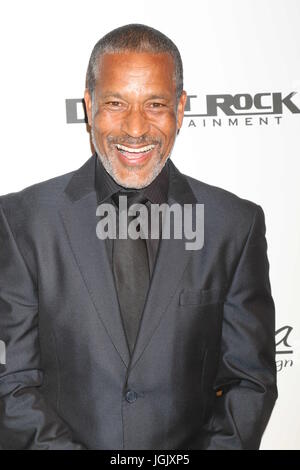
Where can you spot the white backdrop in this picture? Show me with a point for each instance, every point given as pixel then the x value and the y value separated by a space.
pixel 233 47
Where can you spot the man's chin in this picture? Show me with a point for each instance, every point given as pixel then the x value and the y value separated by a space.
pixel 134 181
pixel 132 177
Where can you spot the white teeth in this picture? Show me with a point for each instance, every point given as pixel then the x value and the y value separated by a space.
pixel 132 150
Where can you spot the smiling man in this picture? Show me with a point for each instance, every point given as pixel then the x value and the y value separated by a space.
pixel 139 343
pixel 134 110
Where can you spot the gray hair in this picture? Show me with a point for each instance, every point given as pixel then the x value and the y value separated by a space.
pixel 139 38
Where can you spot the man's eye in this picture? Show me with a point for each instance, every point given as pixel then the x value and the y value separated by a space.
pixel 114 104
pixel 157 105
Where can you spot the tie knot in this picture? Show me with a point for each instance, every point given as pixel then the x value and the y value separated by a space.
pixel 133 197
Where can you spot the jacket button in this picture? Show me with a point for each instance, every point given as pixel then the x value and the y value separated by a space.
pixel 131 396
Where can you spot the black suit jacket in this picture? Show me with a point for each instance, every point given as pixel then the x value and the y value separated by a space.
pixel 202 374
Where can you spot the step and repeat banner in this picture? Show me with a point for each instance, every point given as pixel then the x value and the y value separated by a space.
pixel 240 132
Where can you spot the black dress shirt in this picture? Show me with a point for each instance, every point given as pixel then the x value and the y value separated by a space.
pixel 156 192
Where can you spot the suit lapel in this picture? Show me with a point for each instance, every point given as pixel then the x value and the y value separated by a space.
pixel 172 259
pixel 78 213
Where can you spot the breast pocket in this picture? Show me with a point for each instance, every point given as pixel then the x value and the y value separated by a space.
pixel 202 296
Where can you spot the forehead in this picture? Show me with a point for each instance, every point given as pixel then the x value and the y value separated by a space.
pixel 136 69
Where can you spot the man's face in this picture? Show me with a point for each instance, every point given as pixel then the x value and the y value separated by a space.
pixel 133 115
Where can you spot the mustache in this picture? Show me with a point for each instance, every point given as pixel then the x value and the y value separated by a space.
pixel 142 141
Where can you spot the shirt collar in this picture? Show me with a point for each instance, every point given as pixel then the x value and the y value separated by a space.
pixel 156 191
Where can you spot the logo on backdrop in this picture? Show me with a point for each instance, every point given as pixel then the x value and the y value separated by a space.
pixel 241 109
pixel 221 110
pixel 284 349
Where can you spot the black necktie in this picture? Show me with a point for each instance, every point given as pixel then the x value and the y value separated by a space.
pixel 131 272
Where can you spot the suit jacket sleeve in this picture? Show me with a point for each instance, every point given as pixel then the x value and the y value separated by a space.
pixel 247 368
pixel 26 420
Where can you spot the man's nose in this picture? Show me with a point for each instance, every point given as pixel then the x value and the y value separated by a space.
pixel 135 123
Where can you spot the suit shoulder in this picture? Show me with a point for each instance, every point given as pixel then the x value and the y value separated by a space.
pixel 221 196
pixel 38 193
pixel 223 209
pixel 34 200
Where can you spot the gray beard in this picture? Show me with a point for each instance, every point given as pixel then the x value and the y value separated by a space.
pixel 114 174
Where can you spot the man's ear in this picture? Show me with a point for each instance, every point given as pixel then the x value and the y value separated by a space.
pixel 88 106
pixel 180 109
